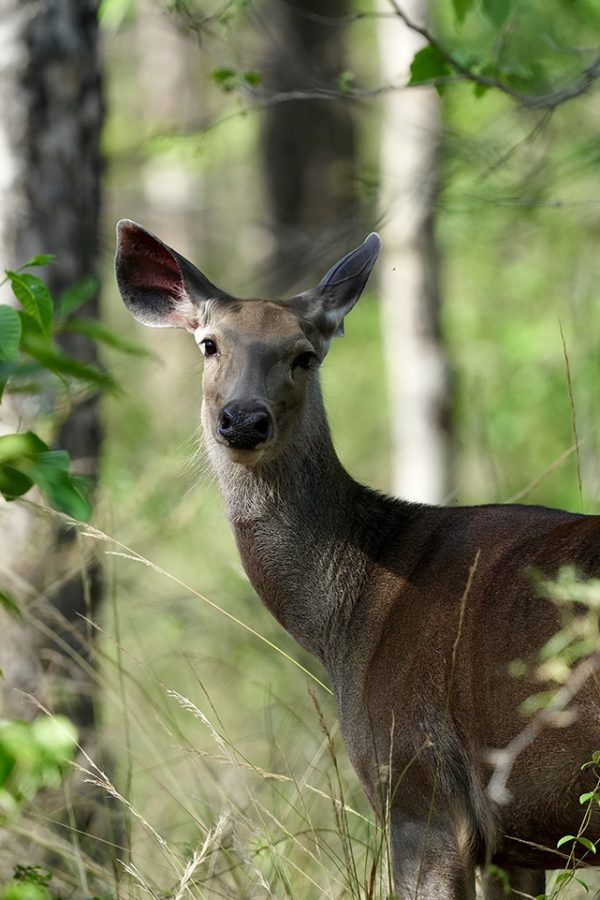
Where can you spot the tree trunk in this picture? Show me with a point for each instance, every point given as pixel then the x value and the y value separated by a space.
pixel 308 144
pixel 415 355
pixel 50 96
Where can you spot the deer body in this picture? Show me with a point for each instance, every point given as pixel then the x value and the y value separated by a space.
pixel 415 611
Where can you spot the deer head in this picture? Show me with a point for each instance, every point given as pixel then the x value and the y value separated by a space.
pixel 260 357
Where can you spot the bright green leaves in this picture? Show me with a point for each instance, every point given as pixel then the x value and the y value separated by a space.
pixel 230 79
pixel 585 842
pixel 462 8
pixel 28 883
pixel 33 755
pixel 34 297
pixel 10 333
pixel 427 65
pixel 32 360
pixel 497 11
pixel 590 796
pixel 26 460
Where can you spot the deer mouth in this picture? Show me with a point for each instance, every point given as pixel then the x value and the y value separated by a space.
pixel 243 455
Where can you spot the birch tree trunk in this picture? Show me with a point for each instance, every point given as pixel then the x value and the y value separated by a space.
pixel 416 361
pixel 51 114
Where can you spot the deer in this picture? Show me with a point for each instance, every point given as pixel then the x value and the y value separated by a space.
pixel 415 611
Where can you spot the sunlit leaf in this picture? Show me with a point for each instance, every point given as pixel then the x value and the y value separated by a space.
pixel 589 845
pixel 25 445
pixel 427 65
pixel 42 259
pixel 34 297
pixel 565 839
pixel 10 332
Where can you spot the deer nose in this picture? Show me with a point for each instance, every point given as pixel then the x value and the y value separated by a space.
pixel 245 425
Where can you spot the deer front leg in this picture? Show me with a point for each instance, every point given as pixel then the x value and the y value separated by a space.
pixel 522 883
pixel 427 862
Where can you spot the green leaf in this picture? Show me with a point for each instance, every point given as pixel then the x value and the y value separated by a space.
pixel 10 332
pixel 56 736
pixel 8 602
pixel 427 65
pixel 34 297
pixel 589 845
pixel 76 296
pixel 226 79
pixel 24 445
pixel 26 460
pixel 530 77
pixel 252 78
pixel 67 366
pixel 103 335
pixel 565 839
pixel 497 11
pixel 462 8
pixel 42 259
pixel 345 80
pixel 62 489
pixel 13 482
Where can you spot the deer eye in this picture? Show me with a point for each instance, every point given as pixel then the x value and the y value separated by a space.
pixel 304 360
pixel 208 347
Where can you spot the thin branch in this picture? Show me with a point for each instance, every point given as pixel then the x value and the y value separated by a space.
pixel 545 101
pixel 504 760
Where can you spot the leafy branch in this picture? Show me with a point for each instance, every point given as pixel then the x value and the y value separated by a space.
pixel 435 62
pixel 29 356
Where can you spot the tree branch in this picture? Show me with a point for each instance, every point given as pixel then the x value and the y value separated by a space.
pixel 545 101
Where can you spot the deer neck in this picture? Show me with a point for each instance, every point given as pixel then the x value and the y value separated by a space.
pixel 294 520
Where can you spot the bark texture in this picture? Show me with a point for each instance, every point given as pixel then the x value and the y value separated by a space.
pixel 415 354
pixel 309 149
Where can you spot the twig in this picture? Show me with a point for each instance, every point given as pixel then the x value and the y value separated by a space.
pixel 545 101
pixel 504 760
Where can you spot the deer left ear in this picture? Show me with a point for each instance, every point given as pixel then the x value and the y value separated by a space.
pixel 160 287
pixel 337 292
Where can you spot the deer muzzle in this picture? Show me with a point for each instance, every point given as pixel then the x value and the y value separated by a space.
pixel 243 425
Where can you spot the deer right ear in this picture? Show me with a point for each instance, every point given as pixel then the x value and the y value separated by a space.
pixel 159 287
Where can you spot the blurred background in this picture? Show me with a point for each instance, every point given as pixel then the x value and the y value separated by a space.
pixel 263 139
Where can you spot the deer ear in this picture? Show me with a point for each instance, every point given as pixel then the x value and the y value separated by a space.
pixel 326 305
pixel 159 286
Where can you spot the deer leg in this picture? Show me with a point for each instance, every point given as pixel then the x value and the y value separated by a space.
pixel 524 883
pixel 428 864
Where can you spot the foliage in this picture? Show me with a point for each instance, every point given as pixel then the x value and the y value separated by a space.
pixel 32 360
pixel 33 755
pixel 28 883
